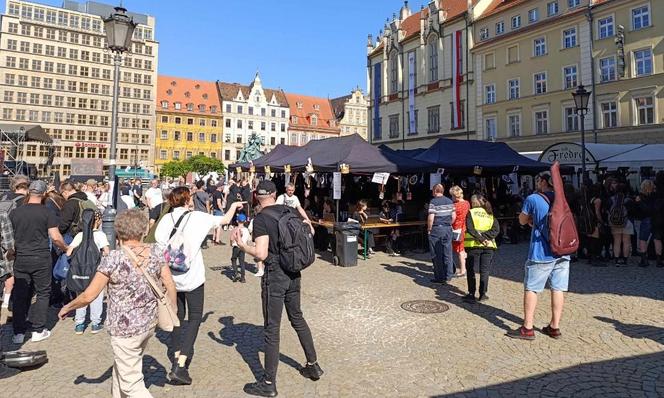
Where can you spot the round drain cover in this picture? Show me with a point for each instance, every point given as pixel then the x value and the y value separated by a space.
pixel 425 306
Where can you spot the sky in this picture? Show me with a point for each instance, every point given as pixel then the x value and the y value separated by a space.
pixel 307 47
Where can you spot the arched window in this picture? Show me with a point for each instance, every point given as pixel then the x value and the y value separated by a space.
pixel 394 72
pixel 433 59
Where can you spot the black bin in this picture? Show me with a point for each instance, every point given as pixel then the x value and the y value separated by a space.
pixel 345 234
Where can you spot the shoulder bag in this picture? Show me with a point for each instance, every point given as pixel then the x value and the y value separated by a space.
pixel 167 317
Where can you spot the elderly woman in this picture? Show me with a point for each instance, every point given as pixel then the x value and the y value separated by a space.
pixel 194 227
pixel 461 207
pixel 480 242
pixel 132 305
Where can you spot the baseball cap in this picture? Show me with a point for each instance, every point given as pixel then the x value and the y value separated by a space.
pixel 38 187
pixel 241 217
pixel 265 187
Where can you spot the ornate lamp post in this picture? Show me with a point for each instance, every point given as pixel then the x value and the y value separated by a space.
pixel 119 29
pixel 581 97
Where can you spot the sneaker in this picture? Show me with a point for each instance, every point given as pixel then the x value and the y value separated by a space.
pixel 469 298
pixel 371 252
pixel 522 333
pixel 80 328
pixel 483 297
pixel 180 376
pixel 96 328
pixel 260 273
pixel 261 389
pixel 40 336
pixel 313 372
pixel 551 332
pixel 18 338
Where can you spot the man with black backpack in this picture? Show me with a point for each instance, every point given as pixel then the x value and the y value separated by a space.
pixel 76 201
pixel 273 227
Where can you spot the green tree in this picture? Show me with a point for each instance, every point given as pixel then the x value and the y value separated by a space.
pixel 176 168
pixel 202 165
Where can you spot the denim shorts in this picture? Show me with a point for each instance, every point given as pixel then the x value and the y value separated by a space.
pixel 645 229
pixel 556 272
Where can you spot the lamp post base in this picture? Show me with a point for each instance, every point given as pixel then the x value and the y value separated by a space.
pixel 108 225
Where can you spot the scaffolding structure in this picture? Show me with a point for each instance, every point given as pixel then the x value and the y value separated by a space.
pixel 11 154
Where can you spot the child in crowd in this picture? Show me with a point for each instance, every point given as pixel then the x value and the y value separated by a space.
pixel 238 255
pixel 97 306
pixel 259 264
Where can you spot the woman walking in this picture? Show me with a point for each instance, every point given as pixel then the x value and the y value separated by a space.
pixel 622 228
pixel 645 203
pixel 193 227
pixel 482 229
pixel 461 207
pixel 132 306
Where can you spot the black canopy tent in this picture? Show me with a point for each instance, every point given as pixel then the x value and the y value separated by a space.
pixel 277 152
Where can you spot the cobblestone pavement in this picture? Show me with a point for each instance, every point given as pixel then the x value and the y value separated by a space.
pixel 613 337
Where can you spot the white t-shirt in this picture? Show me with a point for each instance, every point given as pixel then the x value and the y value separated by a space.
pixel 290 201
pixel 195 226
pixel 99 237
pixel 92 197
pixel 244 236
pixel 154 197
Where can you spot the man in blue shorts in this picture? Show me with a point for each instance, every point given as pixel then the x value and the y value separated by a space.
pixel 542 265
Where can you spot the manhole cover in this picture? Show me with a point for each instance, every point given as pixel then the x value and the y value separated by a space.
pixel 425 306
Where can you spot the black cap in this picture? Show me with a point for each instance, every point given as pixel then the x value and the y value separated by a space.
pixel 265 187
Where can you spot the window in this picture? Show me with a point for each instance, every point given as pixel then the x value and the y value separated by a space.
pixel 213 137
pixel 177 136
pixel 514 125
pixel 433 60
pixel 314 120
pixel 609 114
pixel 643 62
pixel 484 34
pixel 516 22
pixel 178 120
pixel 190 136
pixel 533 15
pixel 540 83
pixel 542 122
pixel 239 124
pixel 490 94
pixel 569 75
pixel 228 123
pixel 176 155
pixel 605 27
pixel 607 69
pixel 433 119
pixel 164 134
pixel 201 122
pixel 500 28
pixel 394 73
pixel 512 54
pixel 573 3
pixel 239 109
pixel 571 119
pixel 539 47
pixel 569 38
pixel 552 8
pixel 394 126
pixel 489 61
pixel 490 132
pixel 201 137
pixel 163 154
pixel 641 17
pixel 646 110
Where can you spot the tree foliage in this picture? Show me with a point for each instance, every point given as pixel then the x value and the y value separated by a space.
pixel 198 164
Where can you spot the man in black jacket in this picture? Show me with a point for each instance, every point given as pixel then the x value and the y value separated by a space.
pixel 71 210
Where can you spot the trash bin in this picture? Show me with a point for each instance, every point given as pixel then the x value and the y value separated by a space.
pixel 345 254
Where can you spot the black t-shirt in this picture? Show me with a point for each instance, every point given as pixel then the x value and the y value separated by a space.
pixel 266 224
pixel 31 224
pixel 217 195
pixel 200 200
pixel 138 190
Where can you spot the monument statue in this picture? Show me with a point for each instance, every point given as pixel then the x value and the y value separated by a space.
pixel 252 150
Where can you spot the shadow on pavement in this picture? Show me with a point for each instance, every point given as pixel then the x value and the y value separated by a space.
pixel 153 372
pixel 248 342
pixel 636 331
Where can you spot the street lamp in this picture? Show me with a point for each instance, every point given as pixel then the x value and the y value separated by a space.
pixel 119 29
pixel 581 97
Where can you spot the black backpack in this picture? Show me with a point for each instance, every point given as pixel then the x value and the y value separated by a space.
pixel 85 259
pixel 296 242
pixel 618 212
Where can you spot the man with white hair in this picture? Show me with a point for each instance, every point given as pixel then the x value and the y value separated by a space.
pixel 291 200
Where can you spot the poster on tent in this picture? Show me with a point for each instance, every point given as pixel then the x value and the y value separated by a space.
pixel 336 185
pixel 380 178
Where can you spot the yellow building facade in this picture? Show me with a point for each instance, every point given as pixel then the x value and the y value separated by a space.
pixel 189 120
pixel 531 55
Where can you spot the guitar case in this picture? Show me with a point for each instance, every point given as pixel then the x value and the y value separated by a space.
pixel 23 359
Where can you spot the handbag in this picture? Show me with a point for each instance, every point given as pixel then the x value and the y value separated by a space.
pixel 457 235
pixel 167 317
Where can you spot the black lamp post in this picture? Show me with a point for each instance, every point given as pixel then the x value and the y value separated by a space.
pixel 581 97
pixel 119 29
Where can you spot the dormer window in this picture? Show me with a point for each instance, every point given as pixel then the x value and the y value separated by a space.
pixel 316 107
pixel 201 108
pixel 190 107
pixel 213 109
pixel 198 86
pixel 314 120
pixel 164 104
pixel 169 92
pixel 174 83
pixel 294 119
pixel 187 94
pixel 178 106
pixel 205 96
pixel 299 105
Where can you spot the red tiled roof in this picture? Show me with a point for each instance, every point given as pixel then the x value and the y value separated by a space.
pixel 186 91
pixel 228 91
pixel 321 108
pixel 497 6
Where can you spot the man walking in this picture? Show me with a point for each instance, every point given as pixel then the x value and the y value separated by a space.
pixel 33 225
pixel 541 265
pixel 291 200
pixel 153 196
pixel 278 287
pixel 439 226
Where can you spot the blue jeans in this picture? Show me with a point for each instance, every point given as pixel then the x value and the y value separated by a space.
pixel 440 246
pixel 96 308
pixel 538 273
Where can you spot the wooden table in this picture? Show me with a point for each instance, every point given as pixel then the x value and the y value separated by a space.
pixel 378 225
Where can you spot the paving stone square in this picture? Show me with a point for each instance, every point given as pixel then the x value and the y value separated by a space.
pixel 613 337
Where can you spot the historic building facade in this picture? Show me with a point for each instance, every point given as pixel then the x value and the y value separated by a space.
pixel 189 120
pixel 531 55
pixel 311 118
pixel 251 110
pixel 351 112
pixel 57 73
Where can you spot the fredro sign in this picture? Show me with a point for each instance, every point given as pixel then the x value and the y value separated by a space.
pixel 565 153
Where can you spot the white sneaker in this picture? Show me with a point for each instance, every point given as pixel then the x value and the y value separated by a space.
pixel 259 273
pixel 18 338
pixel 37 337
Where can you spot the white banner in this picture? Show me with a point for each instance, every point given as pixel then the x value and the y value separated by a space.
pixel 336 185
pixel 412 126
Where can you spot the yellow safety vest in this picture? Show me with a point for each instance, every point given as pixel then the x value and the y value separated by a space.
pixel 483 222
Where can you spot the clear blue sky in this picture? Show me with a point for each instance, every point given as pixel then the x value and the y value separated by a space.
pixel 303 46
